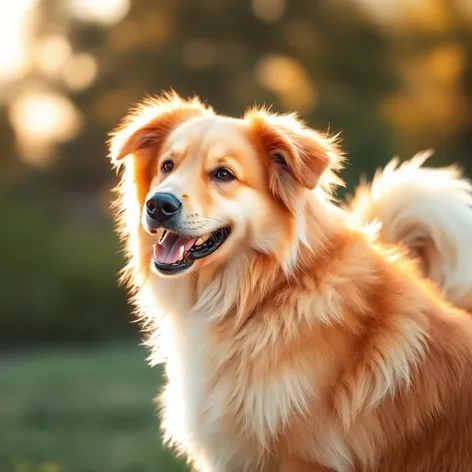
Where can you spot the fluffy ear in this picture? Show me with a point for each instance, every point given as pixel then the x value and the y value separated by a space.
pixel 149 124
pixel 297 155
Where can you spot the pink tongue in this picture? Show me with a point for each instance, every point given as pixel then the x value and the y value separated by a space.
pixel 168 250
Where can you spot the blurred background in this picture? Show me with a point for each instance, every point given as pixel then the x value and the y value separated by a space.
pixel 393 76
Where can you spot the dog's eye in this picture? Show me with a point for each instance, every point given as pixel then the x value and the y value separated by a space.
pixel 167 166
pixel 223 174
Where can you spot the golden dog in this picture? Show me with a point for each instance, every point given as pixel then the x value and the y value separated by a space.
pixel 296 335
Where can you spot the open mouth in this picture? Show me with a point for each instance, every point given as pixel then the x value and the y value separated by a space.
pixel 174 253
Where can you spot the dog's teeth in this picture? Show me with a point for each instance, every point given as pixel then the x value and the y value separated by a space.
pixel 181 253
pixel 202 240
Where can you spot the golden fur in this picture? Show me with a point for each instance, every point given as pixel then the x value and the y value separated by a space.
pixel 303 343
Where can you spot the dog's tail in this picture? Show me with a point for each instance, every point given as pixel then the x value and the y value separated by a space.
pixel 429 211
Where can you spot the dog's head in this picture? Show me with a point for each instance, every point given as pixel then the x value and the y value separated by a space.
pixel 207 188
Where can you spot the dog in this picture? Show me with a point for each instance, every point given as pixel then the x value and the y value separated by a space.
pixel 297 334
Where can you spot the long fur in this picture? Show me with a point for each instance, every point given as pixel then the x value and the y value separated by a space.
pixel 304 343
pixel 430 212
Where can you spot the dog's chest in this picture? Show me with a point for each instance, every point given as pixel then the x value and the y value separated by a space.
pixel 217 410
pixel 227 413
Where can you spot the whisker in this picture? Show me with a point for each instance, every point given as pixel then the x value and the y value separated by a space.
pixel 193 227
pixel 200 218
pixel 198 224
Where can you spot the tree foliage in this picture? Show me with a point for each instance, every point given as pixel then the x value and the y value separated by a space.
pixel 389 84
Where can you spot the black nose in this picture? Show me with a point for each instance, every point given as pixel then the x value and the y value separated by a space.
pixel 162 206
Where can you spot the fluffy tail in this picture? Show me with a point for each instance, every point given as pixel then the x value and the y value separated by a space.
pixel 429 211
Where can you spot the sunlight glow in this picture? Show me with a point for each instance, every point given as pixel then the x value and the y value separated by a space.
pixel 51 54
pixel 80 71
pixel 269 10
pixel 466 7
pixel 16 27
pixel 430 101
pixel 287 78
pixel 428 15
pixel 99 11
pixel 41 119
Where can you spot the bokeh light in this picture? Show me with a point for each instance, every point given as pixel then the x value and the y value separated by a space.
pixel 17 22
pixel 100 11
pixel 42 118
pixel 289 80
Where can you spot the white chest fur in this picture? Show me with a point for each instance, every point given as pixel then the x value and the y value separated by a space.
pixel 192 409
pixel 198 409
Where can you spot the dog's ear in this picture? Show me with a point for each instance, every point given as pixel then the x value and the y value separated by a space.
pixel 297 155
pixel 146 127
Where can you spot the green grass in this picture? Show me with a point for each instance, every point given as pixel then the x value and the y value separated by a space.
pixel 81 411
